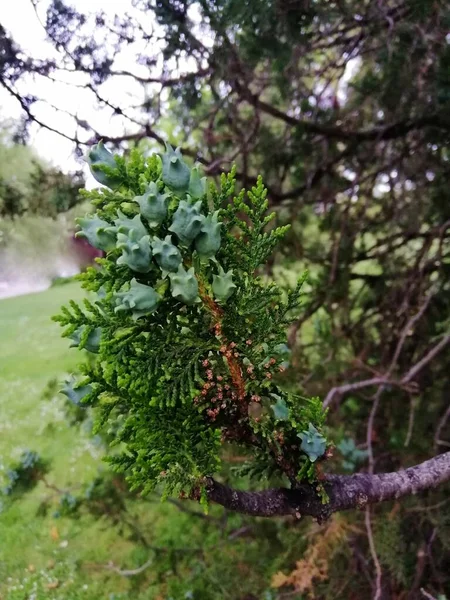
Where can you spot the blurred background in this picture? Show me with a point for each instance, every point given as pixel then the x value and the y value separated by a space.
pixel 343 107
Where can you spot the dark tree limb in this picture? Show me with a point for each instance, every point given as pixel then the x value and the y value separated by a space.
pixel 383 132
pixel 345 491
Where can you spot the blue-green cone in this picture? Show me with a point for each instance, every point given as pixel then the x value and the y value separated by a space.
pixel 184 286
pixel 175 172
pixel 99 157
pixel 136 252
pixel 166 255
pixel 222 285
pixel 153 205
pixel 208 240
pixel 280 408
pixel 97 232
pixel 92 343
pixel 75 393
pixel 140 299
pixel 313 443
pixel 124 225
pixel 187 221
pixel 283 351
pixel 197 184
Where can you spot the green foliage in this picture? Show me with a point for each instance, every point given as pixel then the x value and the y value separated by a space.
pixel 24 474
pixel 181 370
pixel 30 186
pixel 391 544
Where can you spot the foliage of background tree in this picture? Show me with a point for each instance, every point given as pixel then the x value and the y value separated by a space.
pixel 343 106
pixel 28 185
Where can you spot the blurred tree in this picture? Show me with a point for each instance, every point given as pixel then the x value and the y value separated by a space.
pixel 29 185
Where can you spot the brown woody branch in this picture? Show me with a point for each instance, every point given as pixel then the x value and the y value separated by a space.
pixel 383 132
pixel 345 491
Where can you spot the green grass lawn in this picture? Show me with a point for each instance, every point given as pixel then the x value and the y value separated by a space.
pixel 45 550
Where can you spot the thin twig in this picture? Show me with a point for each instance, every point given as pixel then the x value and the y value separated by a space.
pixel 426 595
pixel 412 411
pixel 138 570
pixel 129 572
pixel 426 359
pixel 406 330
pixel 440 427
pixel 373 552
pixel 181 505
pixel 427 508
pixel 357 385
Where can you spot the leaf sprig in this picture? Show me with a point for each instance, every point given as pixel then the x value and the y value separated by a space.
pixel 190 341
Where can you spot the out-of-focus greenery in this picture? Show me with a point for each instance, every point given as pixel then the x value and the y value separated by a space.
pixel 29 185
pixel 38 204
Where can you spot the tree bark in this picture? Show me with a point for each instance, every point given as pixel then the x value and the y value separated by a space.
pixel 345 491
